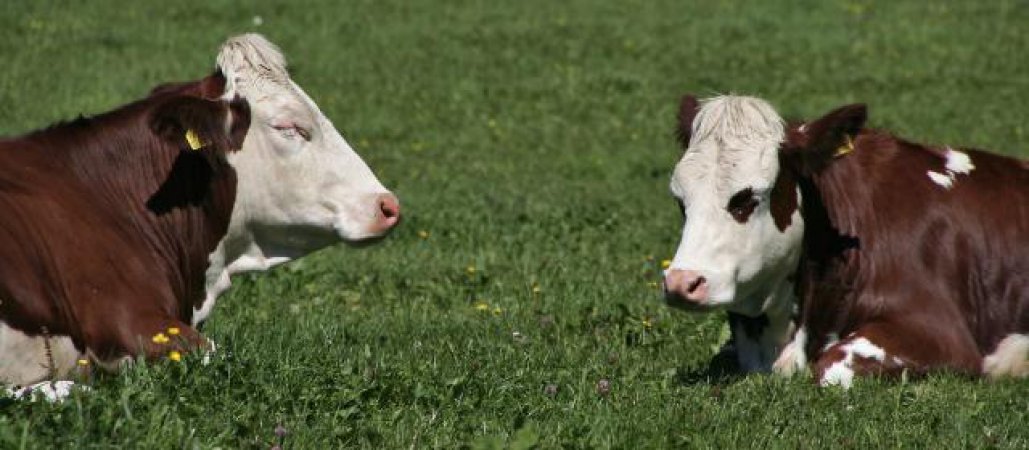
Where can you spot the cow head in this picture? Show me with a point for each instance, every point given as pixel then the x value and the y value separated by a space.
pixel 301 186
pixel 741 240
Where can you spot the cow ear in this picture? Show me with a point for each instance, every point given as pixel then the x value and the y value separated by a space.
pixel 239 124
pixel 815 143
pixel 211 87
pixel 203 130
pixel 688 108
pixel 193 124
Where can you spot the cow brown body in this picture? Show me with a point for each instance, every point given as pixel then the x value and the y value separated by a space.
pixel 108 222
pixel 124 229
pixel 934 276
pixel 849 250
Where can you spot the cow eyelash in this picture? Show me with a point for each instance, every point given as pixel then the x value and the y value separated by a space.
pixel 292 128
pixel 742 204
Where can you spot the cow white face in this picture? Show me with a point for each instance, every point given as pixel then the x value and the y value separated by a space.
pixel 300 185
pixel 734 251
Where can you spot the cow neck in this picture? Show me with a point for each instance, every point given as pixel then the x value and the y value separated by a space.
pixel 175 204
pixel 237 252
pixel 827 268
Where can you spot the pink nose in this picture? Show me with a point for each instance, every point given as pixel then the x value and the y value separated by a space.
pixel 389 212
pixel 685 285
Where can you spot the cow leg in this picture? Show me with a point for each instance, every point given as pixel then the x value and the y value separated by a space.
pixel 881 349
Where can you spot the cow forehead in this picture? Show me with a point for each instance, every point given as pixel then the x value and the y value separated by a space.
pixel 721 170
pixel 285 102
pixel 734 145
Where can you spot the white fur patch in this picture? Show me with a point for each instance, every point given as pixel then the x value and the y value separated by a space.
pixel 793 358
pixel 28 359
pixel 956 163
pixel 733 120
pixel 1011 358
pixel 946 181
pixel 866 349
pixel 838 374
pixel 841 373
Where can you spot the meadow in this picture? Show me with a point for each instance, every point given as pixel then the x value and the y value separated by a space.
pixel 531 144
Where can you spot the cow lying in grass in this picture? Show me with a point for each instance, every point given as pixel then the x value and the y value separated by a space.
pixel 848 249
pixel 121 230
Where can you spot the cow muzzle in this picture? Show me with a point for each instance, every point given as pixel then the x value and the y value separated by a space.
pixel 687 288
pixel 388 214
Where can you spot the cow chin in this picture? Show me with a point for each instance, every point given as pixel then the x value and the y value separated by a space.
pixel 357 234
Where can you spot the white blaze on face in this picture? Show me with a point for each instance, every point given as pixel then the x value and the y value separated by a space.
pixel 300 185
pixel 732 161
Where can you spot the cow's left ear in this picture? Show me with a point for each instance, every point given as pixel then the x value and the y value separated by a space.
pixel 815 143
pixel 688 108
pixel 211 87
pixel 195 124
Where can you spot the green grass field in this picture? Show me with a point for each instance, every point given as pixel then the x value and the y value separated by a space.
pixel 531 142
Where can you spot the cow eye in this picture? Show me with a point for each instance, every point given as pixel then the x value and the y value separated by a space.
pixel 742 204
pixel 292 130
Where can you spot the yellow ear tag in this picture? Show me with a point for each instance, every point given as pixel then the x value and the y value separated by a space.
pixel 847 147
pixel 193 140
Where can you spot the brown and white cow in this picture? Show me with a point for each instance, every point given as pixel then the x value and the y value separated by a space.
pixel 848 248
pixel 120 227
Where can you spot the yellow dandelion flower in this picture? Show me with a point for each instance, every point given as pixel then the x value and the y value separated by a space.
pixel 536 289
pixel 653 284
pixel 160 338
pixel 647 323
pixel 470 270
pixel 423 234
pixel 482 306
pixel 175 356
pixel 82 362
pixel 174 331
pixel 497 310
pixel 666 263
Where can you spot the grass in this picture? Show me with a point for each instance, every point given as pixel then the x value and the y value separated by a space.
pixel 532 141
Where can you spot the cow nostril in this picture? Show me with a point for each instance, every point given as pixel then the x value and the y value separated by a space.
pixel 695 284
pixel 389 206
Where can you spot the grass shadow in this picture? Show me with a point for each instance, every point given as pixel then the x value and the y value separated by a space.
pixel 721 369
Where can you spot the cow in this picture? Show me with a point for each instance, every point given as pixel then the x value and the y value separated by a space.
pixel 120 231
pixel 847 250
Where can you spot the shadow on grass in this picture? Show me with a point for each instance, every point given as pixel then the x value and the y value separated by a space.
pixel 721 369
